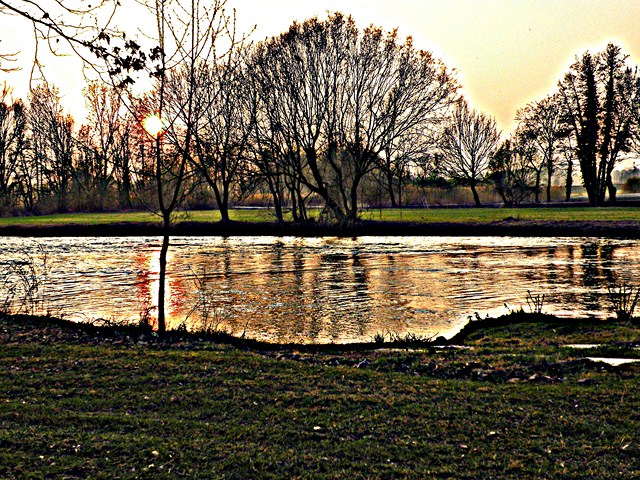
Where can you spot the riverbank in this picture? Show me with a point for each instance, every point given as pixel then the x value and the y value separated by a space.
pixel 509 227
pixel 514 401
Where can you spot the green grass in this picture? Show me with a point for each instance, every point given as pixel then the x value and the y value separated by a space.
pixel 77 405
pixel 482 215
pixel 133 217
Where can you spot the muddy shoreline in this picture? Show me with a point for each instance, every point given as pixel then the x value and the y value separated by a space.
pixel 514 228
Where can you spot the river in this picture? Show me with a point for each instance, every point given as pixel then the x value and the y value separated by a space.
pixel 319 290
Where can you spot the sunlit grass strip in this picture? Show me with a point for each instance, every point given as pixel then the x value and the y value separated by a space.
pixel 485 215
pixel 418 215
pixel 244 215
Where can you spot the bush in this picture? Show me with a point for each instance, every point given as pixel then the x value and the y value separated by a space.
pixel 632 185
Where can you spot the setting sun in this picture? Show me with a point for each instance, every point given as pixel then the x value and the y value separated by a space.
pixel 153 125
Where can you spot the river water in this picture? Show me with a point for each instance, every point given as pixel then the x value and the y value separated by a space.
pixel 289 289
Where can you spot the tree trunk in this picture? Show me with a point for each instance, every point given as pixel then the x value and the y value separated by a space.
pixel 392 195
pixel 277 200
pixel 612 191
pixel 476 197
pixel 569 183
pixel 221 200
pixel 549 174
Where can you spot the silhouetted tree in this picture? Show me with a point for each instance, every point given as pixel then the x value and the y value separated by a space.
pixel 467 142
pixel 511 173
pixel 13 144
pixel 187 35
pixel 339 100
pixel 221 135
pixel 53 143
pixel 598 94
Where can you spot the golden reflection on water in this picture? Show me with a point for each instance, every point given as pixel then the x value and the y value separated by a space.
pixel 330 289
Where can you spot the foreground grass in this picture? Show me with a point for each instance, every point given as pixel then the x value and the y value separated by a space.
pixel 76 404
pixel 420 215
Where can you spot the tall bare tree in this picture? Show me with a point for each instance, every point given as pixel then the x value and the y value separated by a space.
pixel 13 144
pixel 467 142
pixel 188 33
pixel 541 121
pixel 340 99
pixel 53 142
pixel 225 112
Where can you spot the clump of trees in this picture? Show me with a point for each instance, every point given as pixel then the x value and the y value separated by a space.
pixel 591 121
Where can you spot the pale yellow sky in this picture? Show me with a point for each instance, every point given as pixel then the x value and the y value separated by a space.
pixel 506 52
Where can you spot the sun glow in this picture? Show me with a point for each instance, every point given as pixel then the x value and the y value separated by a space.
pixel 153 125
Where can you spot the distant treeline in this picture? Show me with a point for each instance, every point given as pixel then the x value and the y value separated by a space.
pixel 325 114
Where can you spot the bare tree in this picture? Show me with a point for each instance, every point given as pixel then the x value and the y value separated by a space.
pixel 541 121
pixel 13 143
pixel 104 141
pixel 467 142
pixel 340 99
pixel 511 172
pixel 397 98
pixel 187 36
pixel 225 112
pixel 53 142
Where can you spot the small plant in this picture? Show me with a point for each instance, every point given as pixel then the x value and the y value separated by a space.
pixel 146 322
pixel 211 314
pixel 182 328
pixel 624 299
pixel 535 303
pixel 407 338
pixel 23 283
pixel 379 337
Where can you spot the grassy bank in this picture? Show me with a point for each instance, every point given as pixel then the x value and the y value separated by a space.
pixel 418 215
pixel 79 403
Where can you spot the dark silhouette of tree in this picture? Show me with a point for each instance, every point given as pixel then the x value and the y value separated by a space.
pixel 511 173
pixel 13 144
pixel 187 34
pixel 598 94
pixel 53 143
pixel 338 100
pixel 535 160
pixel 467 142
pixel 225 121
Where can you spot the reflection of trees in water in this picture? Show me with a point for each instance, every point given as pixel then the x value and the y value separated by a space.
pixel 591 275
pixel 342 293
pixel 361 285
pixel 292 291
pixel 552 272
pixel 601 271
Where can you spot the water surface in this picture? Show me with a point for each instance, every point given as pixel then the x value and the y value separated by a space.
pixel 328 289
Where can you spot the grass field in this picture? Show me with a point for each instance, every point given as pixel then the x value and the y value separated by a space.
pixel 481 215
pixel 516 404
